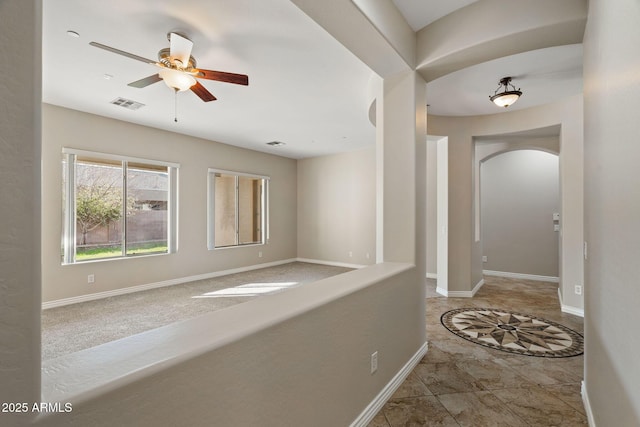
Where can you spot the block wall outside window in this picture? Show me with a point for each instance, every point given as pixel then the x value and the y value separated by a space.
pixel 116 206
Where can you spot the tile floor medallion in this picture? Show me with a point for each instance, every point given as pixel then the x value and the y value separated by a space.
pixel 513 332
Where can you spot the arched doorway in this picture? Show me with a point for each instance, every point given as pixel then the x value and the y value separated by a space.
pixel 520 214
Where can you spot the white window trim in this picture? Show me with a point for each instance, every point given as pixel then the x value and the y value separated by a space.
pixel 69 220
pixel 211 225
pixel 98 155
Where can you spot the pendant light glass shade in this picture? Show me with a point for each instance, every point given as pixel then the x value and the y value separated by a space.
pixel 506 97
pixel 177 80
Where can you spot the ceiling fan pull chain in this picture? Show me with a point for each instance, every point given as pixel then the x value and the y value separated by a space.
pixel 175 118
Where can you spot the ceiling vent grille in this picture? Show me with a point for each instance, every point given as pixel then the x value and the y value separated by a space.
pixel 127 103
pixel 276 143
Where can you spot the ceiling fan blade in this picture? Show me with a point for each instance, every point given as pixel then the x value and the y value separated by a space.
pixel 123 53
pixel 180 48
pixel 202 92
pixel 221 76
pixel 146 81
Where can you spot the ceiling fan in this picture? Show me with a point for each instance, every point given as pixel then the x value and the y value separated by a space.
pixel 178 68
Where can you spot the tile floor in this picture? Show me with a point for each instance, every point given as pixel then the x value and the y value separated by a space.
pixel 459 383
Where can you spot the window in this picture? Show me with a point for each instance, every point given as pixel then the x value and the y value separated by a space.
pixel 237 209
pixel 116 206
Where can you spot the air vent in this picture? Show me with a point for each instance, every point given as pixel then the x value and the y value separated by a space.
pixel 276 143
pixel 127 103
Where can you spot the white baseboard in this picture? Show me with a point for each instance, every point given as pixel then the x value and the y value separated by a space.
pixel 331 263
pixel 587 405
pixel 572 310
pixel 432 276
pixel 569 309
pixel 123 291
pixel 461 294
pixel 385 394
pixel 475 290
pixel 552 279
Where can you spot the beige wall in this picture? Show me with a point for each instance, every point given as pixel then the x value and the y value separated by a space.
pixel 432 207
pixel 401 156
pixel 520 191
pixel 612 210
pixel 20 35
pixel 482 150
pixel 337 207
pixel 465 254
pixel 70 128
pixel 297 358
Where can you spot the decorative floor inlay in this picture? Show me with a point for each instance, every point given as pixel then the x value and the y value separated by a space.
pixel 513 332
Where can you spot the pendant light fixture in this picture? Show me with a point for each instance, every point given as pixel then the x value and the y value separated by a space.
pixel 506 97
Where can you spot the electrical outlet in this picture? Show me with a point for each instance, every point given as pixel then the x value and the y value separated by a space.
pixel 368 256
pixel 260 254
pixel 484 258
pixel 578 290
pixel 374 362
pixel 91 278
pixel 350 254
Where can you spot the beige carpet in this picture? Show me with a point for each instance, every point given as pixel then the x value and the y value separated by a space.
pixel 75 327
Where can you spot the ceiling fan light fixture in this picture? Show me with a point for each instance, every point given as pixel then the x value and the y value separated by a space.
pixel 178 68
pixel 177 80
pixel 508 96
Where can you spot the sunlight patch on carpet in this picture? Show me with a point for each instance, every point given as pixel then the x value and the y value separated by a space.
pixel 248 290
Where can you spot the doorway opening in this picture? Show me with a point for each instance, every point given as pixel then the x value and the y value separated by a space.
pixel 520 214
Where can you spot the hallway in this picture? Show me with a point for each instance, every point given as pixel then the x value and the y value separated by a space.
pixel 459 383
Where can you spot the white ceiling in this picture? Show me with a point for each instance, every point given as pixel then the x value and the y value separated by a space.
pixel 420 13
pixel 305 89
pixel 543 76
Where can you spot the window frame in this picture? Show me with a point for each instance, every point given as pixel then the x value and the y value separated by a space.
pixel 69 229
pixel 211 197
